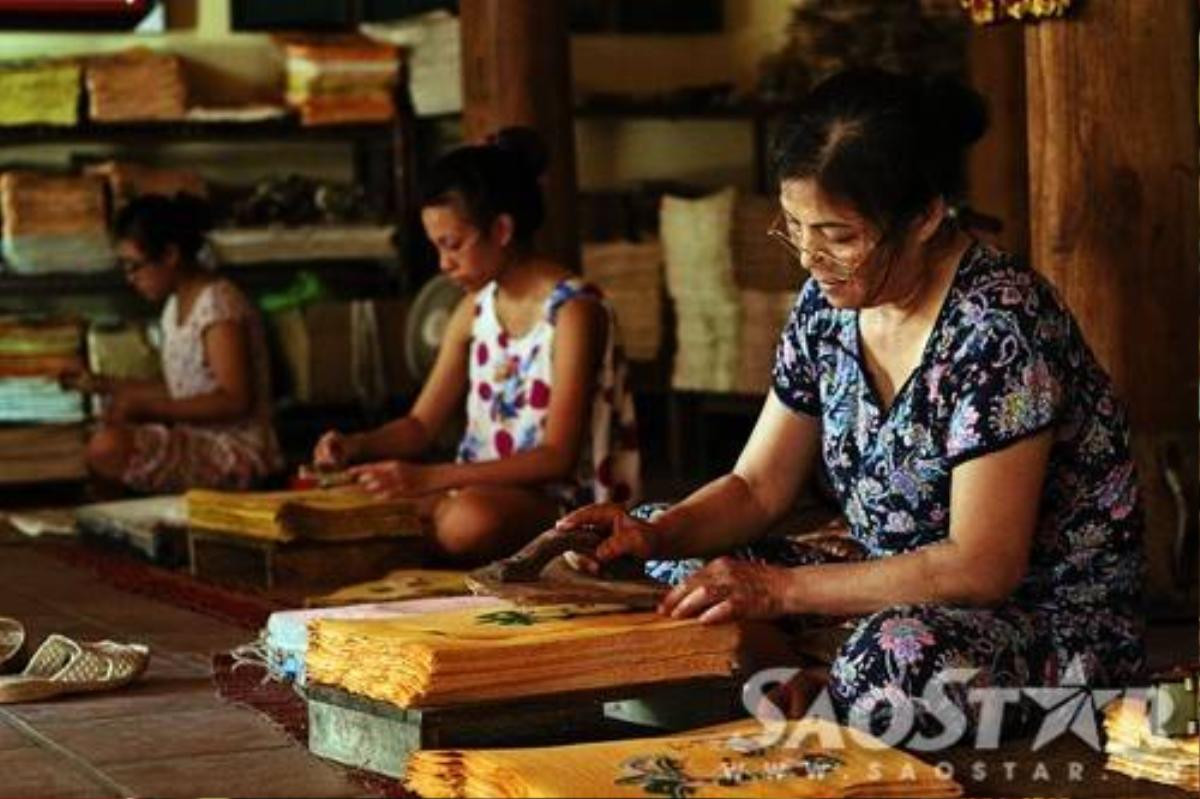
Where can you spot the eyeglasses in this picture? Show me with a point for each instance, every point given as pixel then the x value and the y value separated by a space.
pixel 842 268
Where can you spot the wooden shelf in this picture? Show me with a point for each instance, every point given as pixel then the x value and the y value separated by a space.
pixel 635 110
pixel 283 128
pixel 342 273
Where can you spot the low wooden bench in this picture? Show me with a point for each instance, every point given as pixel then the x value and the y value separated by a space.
pixel 301 566
pixel 379 737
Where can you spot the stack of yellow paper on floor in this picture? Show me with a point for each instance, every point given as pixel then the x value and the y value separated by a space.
pixel 1135 750
pixel 337 514
pixel 812 758
pixel 399 585
pixel 473 656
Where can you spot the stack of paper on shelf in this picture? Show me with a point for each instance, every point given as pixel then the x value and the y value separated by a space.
pixel 699 267
pixel 808 758
pixel 39 400
pixel 630 274
pixel 30 454
pixel 33 353
pixel 334 80
pixel 40 93
pixel 336 514
pixel 262 245
pixel 54 223
pixel 760 262
pixel 764 314
pixel 473 656
pixel 136 85
pixel 434 51
pixel 39 337
pixel 1135 750
pixel 127 181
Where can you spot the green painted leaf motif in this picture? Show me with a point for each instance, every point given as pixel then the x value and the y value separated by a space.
pixel 507 618
pixel 660 775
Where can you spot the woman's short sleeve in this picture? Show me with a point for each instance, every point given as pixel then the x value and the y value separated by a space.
pixel 221 302
pixel 1008 386
pixel 794 375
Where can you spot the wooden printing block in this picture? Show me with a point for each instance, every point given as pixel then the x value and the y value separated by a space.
pixel 163 545
pixel 677 708
pixel 379 737
pixel 306 566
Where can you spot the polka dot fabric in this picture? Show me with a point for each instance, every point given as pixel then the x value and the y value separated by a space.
pixel 511 388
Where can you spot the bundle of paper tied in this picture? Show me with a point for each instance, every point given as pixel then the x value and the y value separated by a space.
pixel 511 652
pixel 345 513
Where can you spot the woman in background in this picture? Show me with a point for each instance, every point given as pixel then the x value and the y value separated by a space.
pixel 532 351
pixel 208 423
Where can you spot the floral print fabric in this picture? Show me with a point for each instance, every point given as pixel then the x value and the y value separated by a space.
pixel 509 394
pixel 1004 361
pixel 173 458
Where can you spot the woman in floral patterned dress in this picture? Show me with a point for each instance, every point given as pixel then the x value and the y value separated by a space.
pixel 207 424
pixel 550 423
pixel 974 444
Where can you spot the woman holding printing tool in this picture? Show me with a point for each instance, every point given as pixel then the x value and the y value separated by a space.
pixel 208 423
pixel 533 352
pixel 973 442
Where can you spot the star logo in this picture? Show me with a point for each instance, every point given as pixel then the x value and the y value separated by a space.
pixel 1071 707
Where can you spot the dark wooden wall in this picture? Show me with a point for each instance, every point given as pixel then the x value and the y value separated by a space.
pixel 998 173
pixel 517 71
pixel 1112 130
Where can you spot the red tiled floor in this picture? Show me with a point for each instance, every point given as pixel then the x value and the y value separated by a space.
pixel 168 734
pixel 11 738
pixel 150 696
pixel 161 736
pixel 200 643
pixel 33 772
pixel 18 606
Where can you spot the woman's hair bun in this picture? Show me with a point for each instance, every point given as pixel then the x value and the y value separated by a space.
pixel 193 212
pixel 954 113
pixel 526 145
pixel 155 221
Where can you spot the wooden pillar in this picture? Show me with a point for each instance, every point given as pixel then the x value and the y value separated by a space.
pixel 517 71
pixel 998 172
pixel 1113 201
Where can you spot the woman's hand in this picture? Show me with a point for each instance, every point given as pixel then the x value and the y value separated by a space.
pixel 85 382
pixel 335 451
pixel 729 589
pixel 395 479
pixel 627 536
pixel 125 407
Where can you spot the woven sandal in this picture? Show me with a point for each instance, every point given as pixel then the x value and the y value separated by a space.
pixel 62 666
pixel 12 644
